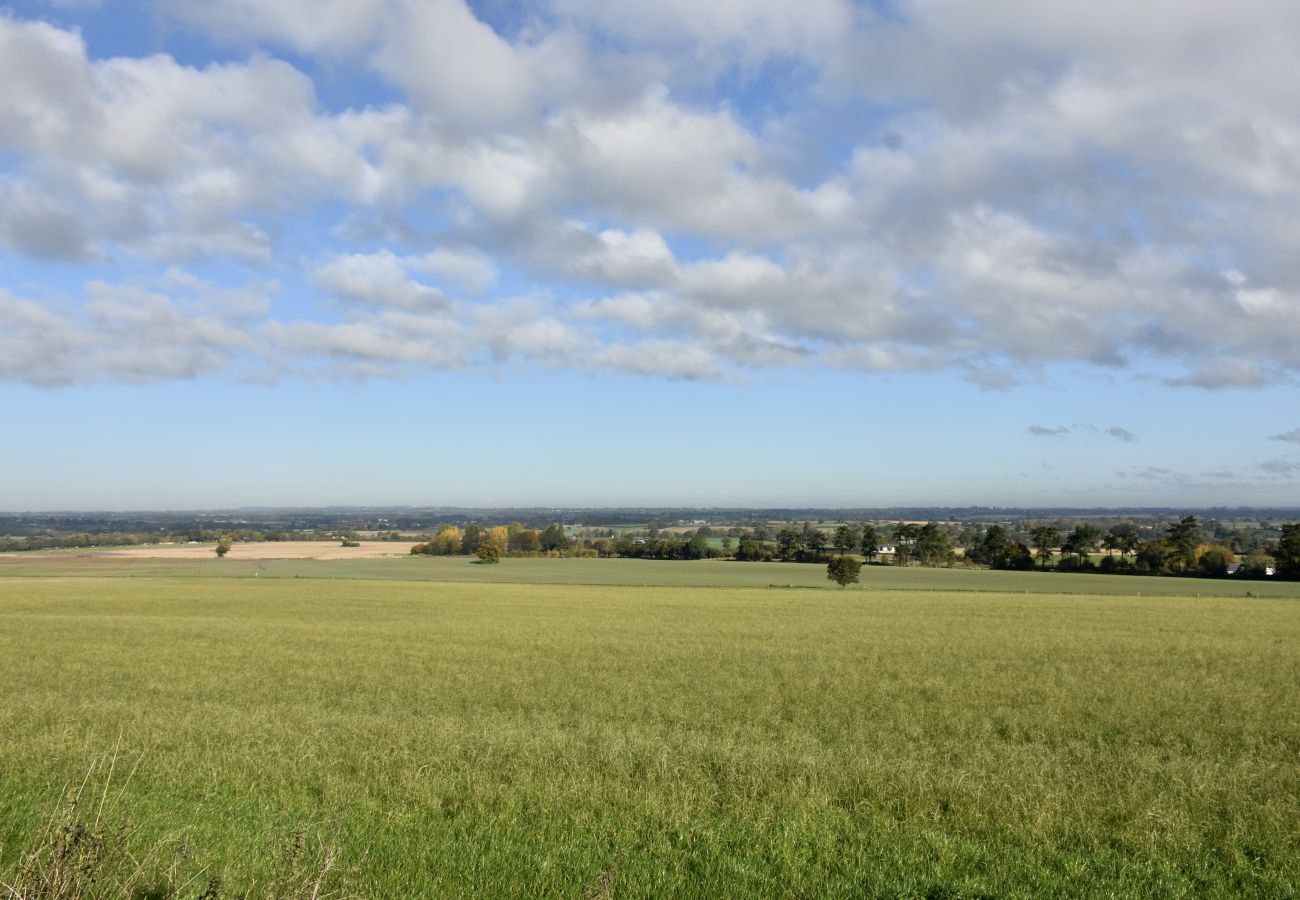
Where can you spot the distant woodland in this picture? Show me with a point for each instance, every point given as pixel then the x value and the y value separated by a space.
pixel 1220 544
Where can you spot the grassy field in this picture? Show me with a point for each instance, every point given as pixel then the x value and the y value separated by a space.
pixel 702 573
pixel 507 740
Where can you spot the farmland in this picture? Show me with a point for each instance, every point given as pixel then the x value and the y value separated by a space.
pixel 465 738
pixel 295 561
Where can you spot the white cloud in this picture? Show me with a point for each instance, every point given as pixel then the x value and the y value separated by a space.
pixel 377 279
pixel 468 268
pixel 130 332
pixel 993 191
pixel 670 359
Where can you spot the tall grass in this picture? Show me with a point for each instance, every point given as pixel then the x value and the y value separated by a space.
pixel 540 740
pixel 90 847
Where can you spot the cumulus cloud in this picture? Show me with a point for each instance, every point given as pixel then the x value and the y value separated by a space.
pixel 691 193
pixel 130 332
pixel 376 279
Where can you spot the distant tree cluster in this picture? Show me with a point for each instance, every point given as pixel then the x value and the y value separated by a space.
pixel 492 543
pixel 1181 547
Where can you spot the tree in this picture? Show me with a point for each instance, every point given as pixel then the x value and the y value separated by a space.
pixel 471 539
pixel 905 537
pixel 751 550
pixel 789 543
pixel 554 538
pixel 1214 561
pixel 697 547
pixel 870 542
pixel 1288 552
pixel 846 538
pixel 1255 565
pixel 1045 539
pixel 844 570
pixel 530 541
pixel 934 544
pixel 489 551
pixel 1081 542
pixel 814 538
pixel 224 543
pixel 1182 537
pixel 991 549
pixel 1122 537
pixel 447 541
pixel 1019 557
pixel 1152 557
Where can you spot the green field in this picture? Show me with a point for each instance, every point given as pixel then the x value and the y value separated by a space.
pixel 701 573
pixel 519 740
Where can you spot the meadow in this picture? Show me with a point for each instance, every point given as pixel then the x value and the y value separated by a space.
pixel 520 740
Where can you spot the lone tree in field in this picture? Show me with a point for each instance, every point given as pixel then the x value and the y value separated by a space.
pixel 224 544
pixel 844 570
pixel 489 551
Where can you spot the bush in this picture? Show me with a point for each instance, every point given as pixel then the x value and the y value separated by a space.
pixel 1116 565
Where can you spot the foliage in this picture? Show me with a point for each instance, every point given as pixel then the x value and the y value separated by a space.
pixel 1182 538
pixel 554 539
pixel 525 541
pixel 471 537
pixel 224 543
pixel 448 541
pixel 844 570
pixel 1046 538
pixel 1213 561
pixel 750 550
pixel 1122 537
pixel 846 538
pixel 997 550
pixel 489 551
pixel 1288 552
pixel 870 542
pixel 934 545
pixel 1081 542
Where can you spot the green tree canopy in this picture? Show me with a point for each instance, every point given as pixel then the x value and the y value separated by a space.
pixel 1288 552
pixel 844 570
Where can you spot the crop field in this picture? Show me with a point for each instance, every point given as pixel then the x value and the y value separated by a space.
pixel 520 740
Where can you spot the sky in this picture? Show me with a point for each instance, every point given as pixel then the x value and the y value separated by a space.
pixel 580 253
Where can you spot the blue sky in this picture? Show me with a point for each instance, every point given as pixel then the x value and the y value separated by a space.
pixel 318 252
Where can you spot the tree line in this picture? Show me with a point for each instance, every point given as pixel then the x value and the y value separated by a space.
pixel 1180 547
